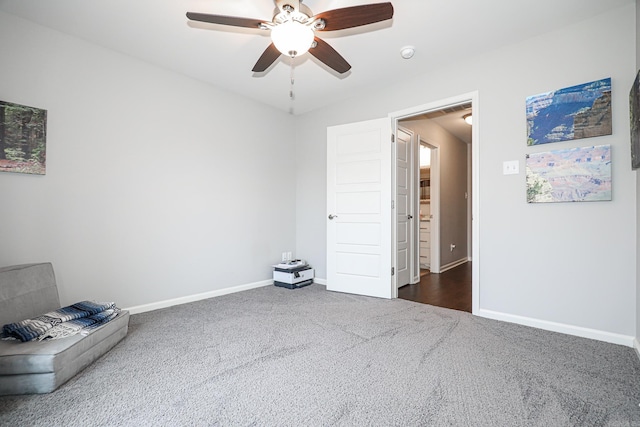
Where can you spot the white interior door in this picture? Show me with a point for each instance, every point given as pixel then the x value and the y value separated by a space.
pixel 359 218
pixel 404 207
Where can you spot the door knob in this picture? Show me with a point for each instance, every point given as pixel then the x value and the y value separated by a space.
pixel 331 216
pixel 409 216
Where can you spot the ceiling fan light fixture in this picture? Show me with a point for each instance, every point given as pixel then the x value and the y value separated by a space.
pixel 468 118
pixel 293 28
pixel 292 38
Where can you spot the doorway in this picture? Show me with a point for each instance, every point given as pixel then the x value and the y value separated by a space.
pixel 362 232
pixel 446 278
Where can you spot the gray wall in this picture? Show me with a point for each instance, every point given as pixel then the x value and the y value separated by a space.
pixel 453 185
pixel 155 189
pixel 567 264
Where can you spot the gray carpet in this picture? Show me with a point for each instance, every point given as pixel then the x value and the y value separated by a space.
pixel 308 357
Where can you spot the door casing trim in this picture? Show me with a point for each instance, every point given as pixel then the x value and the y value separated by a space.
pixel 395 117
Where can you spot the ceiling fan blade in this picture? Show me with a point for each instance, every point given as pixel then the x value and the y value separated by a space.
pixel 225 20
pixel 267 58
pixel 329 56
pixel 355 16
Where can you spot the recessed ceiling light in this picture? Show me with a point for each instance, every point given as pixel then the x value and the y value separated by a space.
pixel 407 52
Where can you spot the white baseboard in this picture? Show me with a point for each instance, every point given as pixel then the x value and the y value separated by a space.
pixel 579 331
pixel 453 264
pixel 636 345
pixel 197 297
pixel 610 337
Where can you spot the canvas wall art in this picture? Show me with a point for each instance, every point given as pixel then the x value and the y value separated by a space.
pixel 574 112
pixel 634 109
pixel 572 175
pixel 23 138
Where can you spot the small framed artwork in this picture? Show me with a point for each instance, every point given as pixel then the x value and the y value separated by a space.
pixel 634 112
pixel 580 174
pixel 23 139
pixel 574 112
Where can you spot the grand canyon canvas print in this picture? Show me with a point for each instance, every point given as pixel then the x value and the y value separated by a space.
pixel 580 174
pixel 575 112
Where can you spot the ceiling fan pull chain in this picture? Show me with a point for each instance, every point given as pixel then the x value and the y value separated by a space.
pixel 291 95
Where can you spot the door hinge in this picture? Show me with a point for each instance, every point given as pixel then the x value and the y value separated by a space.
pixel 393 271
pixel 393 138
pixel 393 204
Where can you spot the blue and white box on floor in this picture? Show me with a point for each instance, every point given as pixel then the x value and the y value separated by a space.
pixel 293 274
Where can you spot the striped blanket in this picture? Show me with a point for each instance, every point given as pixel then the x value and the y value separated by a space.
pixel 64 322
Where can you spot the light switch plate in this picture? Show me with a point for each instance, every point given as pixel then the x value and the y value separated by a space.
pixel 511 167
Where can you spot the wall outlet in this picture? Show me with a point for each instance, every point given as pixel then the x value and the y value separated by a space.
pixel 289 258
pixel 452 247
pixel 284 256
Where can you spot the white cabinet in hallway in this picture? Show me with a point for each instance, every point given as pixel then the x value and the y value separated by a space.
pixel 425 243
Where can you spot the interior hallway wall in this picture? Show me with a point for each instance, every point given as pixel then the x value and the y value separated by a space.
pixel 453 186
pixel 567 264
pixel 155 188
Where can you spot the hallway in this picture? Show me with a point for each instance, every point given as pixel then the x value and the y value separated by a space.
pixel 451 289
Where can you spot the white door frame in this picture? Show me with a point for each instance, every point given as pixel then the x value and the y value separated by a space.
pixel 475 162
pixel 434 245
pixel 415 194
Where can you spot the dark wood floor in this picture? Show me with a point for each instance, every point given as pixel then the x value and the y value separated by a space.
pixel 451 289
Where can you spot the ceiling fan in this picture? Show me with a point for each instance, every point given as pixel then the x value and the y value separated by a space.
pixel 293 30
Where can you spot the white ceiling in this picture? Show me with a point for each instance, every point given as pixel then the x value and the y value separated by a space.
pixel 451 119
pixel 442 31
